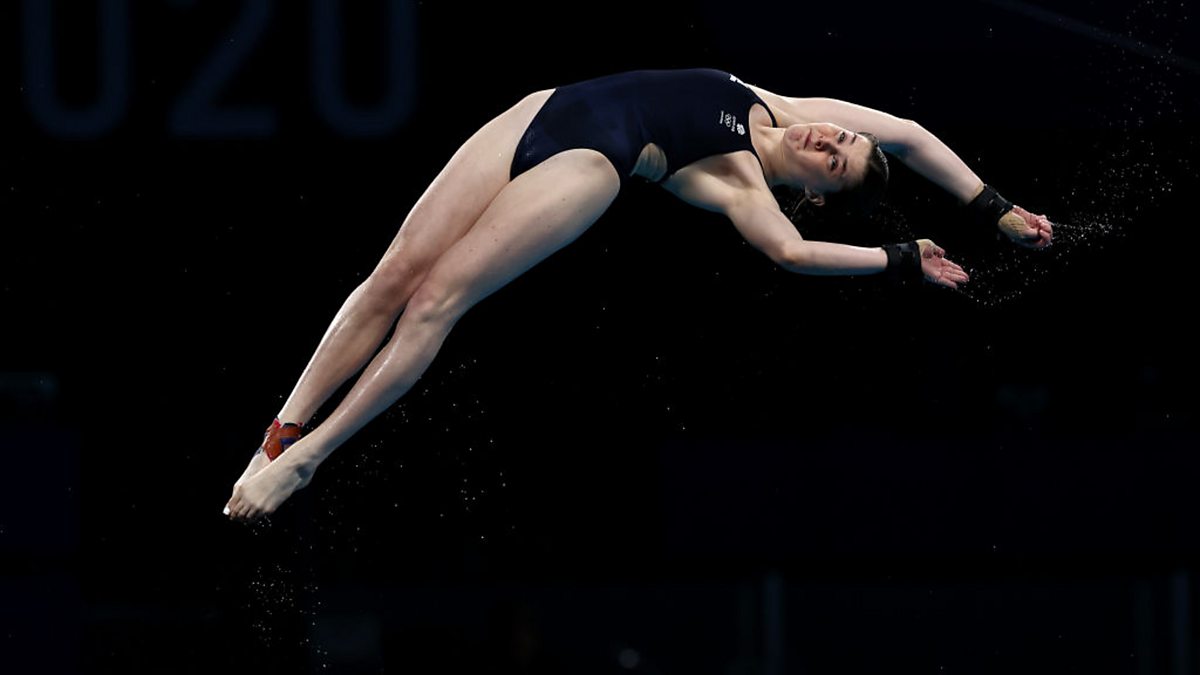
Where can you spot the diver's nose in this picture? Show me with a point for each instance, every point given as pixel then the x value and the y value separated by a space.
pixel 822 143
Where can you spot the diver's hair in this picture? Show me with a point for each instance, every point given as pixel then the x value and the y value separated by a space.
pixel 860 200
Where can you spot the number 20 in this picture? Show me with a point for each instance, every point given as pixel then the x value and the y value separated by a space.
pixel 196 114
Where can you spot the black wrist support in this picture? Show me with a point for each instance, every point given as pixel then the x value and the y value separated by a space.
pixel 904 261
pixel 988 206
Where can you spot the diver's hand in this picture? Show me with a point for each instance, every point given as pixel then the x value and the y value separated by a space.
pixel 1027 229
pixel 937 269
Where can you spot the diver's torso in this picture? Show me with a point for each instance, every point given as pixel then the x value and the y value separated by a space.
pixel 665 122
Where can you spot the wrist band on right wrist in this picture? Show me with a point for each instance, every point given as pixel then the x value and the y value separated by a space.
pixel 904 261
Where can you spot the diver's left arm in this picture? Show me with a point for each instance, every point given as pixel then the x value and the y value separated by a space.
pixel 927 155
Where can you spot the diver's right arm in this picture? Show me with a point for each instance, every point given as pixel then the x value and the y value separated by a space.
pixel 757 216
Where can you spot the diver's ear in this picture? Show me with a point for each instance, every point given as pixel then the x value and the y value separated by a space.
pixel 816 198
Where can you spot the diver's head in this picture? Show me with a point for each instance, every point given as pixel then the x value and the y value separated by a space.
pixel 832 164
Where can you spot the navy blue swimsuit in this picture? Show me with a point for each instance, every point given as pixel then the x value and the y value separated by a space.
pixel 690 114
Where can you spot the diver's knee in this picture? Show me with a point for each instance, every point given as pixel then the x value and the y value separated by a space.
pixel 434 302
pixel 392 284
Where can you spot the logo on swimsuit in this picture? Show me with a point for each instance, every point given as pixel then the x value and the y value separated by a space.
pixel 740 129
pixel 730 122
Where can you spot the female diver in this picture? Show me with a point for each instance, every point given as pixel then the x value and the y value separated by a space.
pixel 538 175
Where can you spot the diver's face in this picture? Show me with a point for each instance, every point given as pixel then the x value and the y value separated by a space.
pixel 826 158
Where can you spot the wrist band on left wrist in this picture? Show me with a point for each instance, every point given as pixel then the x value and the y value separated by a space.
pixel 988 206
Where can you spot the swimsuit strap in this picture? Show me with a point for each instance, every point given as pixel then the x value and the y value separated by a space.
pixel 774 123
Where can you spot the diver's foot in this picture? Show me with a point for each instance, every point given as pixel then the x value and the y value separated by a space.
pixel 263 492
pixel 257 463
pixel 276 439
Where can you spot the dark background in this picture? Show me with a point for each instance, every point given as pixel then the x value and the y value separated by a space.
pixel 654 452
